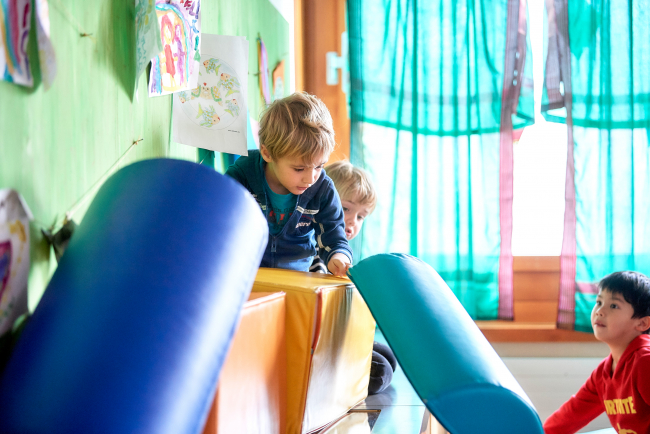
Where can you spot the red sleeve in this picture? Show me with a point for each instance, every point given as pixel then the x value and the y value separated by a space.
pixel 578 411
pixel 643 377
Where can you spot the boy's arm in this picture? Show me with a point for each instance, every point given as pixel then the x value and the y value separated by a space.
pixel 235 172
pixel 330 227
pixel 643 378
pixel 577 412
pixel 339 264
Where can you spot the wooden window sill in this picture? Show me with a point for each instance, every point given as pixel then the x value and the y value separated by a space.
pixel 513 331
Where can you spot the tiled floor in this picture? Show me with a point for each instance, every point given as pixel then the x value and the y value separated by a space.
pixel 548 372
pixel 551 372
pixel 549 381
pixel 402 410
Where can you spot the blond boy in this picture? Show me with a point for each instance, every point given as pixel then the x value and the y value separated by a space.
pixel 286 178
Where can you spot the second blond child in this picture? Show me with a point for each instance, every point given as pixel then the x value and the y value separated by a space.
pixel 358 199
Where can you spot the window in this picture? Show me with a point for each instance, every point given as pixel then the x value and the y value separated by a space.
pixel 539 166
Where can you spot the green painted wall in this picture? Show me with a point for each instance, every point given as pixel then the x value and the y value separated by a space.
pixel 57 144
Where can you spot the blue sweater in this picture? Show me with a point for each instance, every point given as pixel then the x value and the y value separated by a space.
pixel 316 221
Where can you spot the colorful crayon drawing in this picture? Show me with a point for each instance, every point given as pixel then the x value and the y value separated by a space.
pixel 232 107
pixel 263 62
pixel 211 65
pixel 216 95
pixel 202 91
pixel 220 85
pixel 278 80
pixel 147 33
pixel 5 265
pixel 230 84
pixel 15 21
pixel 184 96
pixel 14 257
pixel 213 115
pixel 208 117
pixel 176 67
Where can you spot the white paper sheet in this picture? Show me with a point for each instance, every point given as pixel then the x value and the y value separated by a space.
pixel 213 115
pixel 46 55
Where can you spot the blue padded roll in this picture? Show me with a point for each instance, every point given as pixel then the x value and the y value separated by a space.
pixel 133 329
pixel 452 367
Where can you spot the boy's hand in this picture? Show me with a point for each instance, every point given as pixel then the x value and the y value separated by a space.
pixel 339 264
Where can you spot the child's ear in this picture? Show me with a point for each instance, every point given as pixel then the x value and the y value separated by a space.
pixel 643 324
pixel 265 153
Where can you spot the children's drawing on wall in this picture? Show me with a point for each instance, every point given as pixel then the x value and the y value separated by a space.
pixel 14 257
pixel 176 67
pixel 46 56
pixel 278 80
pixel 263 71
pixel 219 90
pixel 213 115
pixel 15 20
pixel 147 36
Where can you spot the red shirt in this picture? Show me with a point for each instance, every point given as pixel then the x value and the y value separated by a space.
pixel 624 396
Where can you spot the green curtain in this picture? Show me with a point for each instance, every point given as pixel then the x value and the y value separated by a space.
pixel 598 82
pixel 437 88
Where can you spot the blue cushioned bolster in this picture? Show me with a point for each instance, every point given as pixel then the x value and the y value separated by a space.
pixel 450 364
pixel 134 326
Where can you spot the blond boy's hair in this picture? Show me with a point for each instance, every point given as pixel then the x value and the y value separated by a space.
pixel 352 183
pixel 297 126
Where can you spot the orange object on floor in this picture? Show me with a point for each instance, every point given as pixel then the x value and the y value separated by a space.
pixel 329 332
pixel 251 395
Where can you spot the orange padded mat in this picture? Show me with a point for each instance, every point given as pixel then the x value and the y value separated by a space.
pixel 251 395
pixel 329 336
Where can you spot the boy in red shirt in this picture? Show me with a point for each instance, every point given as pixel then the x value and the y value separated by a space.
pixel 620 385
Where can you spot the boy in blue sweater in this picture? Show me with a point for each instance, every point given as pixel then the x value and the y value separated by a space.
pixel 287 179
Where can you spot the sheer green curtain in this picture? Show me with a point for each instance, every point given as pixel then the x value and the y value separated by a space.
pixel 437 88
pixel 598 82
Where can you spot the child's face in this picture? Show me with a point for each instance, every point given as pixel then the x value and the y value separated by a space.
pixel 355 214
pixel 291 175
pixel 612 319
